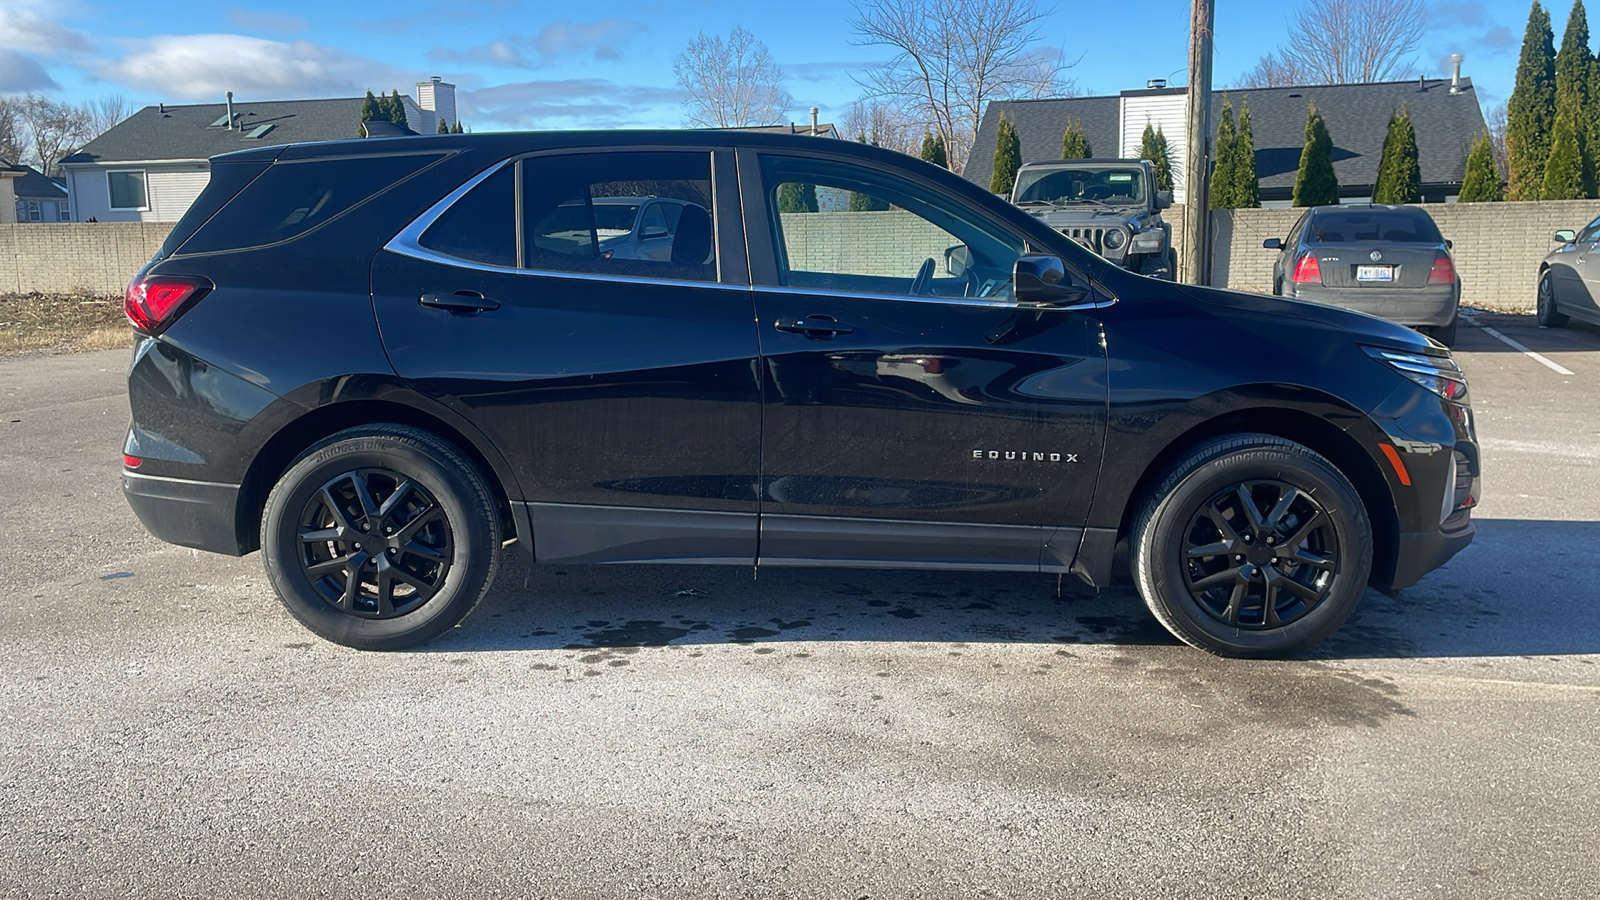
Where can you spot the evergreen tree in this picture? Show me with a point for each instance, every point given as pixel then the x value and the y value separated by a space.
pixel 1246 184
pixel 1007 157
pixel 1222 174
pixel 933 149
pixel 458 129
pixel 1531 111
pixel 797 198
pixel 1163 161
pixel 369 111
pixel 1574 70
pixel 1563 171
pixel 1315 184
pixel 444 127
pixel 397 110
pixel 1074 143
pixel 1482 181
pixel 1399 172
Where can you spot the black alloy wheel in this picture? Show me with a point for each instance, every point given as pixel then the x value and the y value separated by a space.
pixel 1252 545
pixel 375 543
pixel 1546 312
pixel 381 537
pixel 1260 554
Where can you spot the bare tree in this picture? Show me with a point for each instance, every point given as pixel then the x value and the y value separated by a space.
pixel 13 137
pixel 949 58
pixel 1497 137
pixel 730 84
pixel 885 124
pixel 55 130
pixel 1344 42
pixel 105 112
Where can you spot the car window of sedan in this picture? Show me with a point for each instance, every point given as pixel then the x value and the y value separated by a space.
pixel 843 227
pixel 1590 233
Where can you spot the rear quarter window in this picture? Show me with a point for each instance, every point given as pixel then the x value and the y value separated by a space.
pixel 295 197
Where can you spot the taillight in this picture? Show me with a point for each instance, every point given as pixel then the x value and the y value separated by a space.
pixel 1443 271
pixel 131 462
pixel 1307 269
pixel 152 304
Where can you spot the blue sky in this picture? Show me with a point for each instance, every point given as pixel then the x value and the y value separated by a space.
pixel 537 64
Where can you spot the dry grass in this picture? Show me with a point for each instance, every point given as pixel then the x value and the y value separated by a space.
pixel 67 323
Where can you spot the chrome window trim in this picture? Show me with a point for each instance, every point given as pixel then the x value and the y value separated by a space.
pixel 946 301
pixel 408 243
pixel 167 478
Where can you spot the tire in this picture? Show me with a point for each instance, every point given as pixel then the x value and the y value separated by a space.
pixel 1545 310
pixel 436 520
pixel 1446 334
pixel 1156 266
pixel 1199 495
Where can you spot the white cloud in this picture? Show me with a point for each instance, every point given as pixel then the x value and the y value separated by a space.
pixel 571 103
pixel 602 40
pixel 203 66
pixel 24 27
pixel 20 73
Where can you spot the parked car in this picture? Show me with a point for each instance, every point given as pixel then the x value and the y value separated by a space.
pixel 1111 206
pixel 1569 279
pixel 1390 261
pixel 357 358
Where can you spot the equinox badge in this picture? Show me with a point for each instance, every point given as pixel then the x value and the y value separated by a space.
pixel 1025 456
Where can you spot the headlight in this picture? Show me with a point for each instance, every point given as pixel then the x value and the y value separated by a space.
pixel 1149 241
pixel 1114 239
pixel 1439 374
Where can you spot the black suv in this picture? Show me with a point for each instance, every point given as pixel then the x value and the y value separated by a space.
pixel 382 361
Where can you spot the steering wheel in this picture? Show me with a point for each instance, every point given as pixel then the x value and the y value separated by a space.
pixel 924 279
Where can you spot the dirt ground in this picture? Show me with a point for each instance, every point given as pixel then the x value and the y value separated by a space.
pixel 61 322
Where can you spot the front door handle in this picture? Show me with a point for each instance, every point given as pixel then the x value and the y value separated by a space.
pixel 816 327
pixel 462 302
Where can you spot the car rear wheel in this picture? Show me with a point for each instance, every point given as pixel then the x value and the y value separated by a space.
pixel 1252 546
pixel 1545 309
pixel 381 537
pixel 1446 334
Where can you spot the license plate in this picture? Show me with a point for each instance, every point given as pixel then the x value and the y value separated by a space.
pixel 1374 273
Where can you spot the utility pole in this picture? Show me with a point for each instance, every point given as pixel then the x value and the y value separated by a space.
pixel 1192 268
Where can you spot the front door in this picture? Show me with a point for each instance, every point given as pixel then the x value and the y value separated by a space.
pixel 914 415
pixel 617 372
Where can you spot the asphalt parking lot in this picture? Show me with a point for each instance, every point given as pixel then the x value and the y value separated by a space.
pixel 167 730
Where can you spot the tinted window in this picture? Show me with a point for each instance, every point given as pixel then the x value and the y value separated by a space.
pixel 1112 186
pixel 481 226
pixel 579 214
pixel 1395 226
pixel 292 198
pixel 849 228
pixel 1590 233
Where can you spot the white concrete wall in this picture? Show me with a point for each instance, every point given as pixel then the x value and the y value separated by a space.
pixel 170 189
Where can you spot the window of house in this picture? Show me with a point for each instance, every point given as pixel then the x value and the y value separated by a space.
pixel 127 190
pixel 63 211
pixel 35 211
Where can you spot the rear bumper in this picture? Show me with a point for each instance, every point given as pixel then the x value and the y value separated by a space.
pixel 1421 553
pixel 198 514
pixel 1405 306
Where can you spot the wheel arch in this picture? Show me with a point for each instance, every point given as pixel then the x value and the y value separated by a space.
pixel 293 438
pixel 1307 429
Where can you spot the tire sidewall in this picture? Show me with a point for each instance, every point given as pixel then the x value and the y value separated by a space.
pixel 1163 542
pixel 470 534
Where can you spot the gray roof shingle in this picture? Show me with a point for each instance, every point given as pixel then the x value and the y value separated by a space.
pixel 185 132
pixel 1357 117
pixel 32 184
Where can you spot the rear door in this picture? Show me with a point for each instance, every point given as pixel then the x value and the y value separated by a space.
pixel 914 415
pixel 623 390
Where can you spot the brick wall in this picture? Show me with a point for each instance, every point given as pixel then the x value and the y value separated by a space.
pixel 892 242
pixel 1497 246
pixel 76 257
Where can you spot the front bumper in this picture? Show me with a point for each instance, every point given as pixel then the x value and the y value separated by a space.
pixel 1424 306
pixel 1419 554
pixel 198 514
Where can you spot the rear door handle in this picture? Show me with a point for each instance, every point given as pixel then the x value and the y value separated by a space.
pixel 817 327
pixel 465 302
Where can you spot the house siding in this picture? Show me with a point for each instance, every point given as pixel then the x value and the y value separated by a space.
pixel 1167 113
pixel 8 202
pixel 170 189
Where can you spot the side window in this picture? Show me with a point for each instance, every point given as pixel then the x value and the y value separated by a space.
pixel 1294 233
pixel 579 214
pixel 481 227
pixel 653 224
pixel 843 227
pixel 1590 233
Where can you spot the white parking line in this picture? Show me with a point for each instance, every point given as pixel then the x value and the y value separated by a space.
pixel 1558 368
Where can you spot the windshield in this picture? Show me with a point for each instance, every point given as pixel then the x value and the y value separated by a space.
pixel 1114 186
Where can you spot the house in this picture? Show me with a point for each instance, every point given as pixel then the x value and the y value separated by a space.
pixel 37 198
pixel 1444 112
pixel 152 165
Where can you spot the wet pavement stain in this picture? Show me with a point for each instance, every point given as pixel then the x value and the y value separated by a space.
pixel 636 633
pixel 750 634
pixel 905 612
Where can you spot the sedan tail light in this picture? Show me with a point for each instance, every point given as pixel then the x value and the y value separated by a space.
pixel 1443 272
pixel 154 303
pixel 1307 269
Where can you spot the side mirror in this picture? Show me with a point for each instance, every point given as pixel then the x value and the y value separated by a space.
pixel 1163 199
pixel 957 260
pixel 1272 244
pixel 1449 244
pixel 1043 280
pixel 652 231
pixel 1564 236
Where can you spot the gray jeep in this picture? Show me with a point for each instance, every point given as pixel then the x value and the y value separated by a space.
pixel 1111 206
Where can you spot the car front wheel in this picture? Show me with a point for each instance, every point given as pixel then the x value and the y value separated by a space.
pixel 1545 309
pixel 381 537
pixel 1252 546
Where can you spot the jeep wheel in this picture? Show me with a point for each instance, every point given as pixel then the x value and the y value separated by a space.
pixel 381 537
pixel 1252 546
pixel 1157 266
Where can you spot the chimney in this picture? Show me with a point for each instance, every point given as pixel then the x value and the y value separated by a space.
pixel 230 110
pixel 813 121
pixel 437 96
pixel 1455 72
pixel 1156 84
